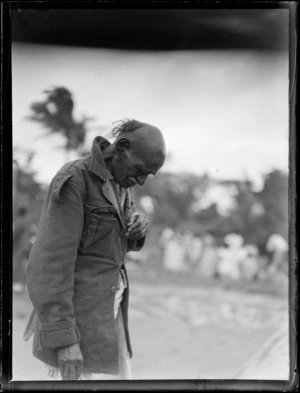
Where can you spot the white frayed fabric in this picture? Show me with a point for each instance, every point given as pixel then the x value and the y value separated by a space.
pixel 119 294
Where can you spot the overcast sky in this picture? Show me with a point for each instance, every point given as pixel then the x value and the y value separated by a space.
pixel 224 112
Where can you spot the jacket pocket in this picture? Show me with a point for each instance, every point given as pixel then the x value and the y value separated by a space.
pixel 102 212
pixel 98 223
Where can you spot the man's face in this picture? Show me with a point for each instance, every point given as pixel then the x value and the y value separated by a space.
pixel 131 168
pixel 138 155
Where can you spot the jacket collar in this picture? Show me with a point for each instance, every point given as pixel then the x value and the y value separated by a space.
pixel 98 167
pixel 97 163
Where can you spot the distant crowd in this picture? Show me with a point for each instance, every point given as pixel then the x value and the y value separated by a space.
pixel 236 260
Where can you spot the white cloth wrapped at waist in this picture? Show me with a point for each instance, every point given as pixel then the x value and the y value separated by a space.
pixel 119 292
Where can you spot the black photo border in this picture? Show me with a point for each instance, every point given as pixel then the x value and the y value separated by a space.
pixel 6 208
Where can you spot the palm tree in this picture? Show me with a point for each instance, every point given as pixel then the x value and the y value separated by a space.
pixel 55 113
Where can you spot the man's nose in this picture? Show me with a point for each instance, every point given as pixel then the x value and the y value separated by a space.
pixel 141 179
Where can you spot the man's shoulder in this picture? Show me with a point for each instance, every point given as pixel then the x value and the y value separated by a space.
pixel 71 176
pixel 73 172
pixel 75 168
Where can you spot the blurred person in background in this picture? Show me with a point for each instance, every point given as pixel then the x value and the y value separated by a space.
pixel 76 277
pixel 174 255
pixel 193 249
pixel 164 238
pixel 231 256
pixel 207 265
pixel 249 265
pixel 278 248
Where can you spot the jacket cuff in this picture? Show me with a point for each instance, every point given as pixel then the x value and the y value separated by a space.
pixel 135 245
pixel 57 335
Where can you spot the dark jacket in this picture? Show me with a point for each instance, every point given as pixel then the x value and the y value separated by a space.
pixel 75 262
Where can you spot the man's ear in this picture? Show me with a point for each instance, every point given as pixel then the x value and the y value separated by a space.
pixel 122 144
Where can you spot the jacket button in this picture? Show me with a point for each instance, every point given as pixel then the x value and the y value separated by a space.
pixel 113 289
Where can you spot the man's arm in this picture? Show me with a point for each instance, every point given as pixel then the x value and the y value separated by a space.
pixel 50 275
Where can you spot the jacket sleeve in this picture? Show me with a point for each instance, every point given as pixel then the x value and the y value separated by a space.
pixel 50 274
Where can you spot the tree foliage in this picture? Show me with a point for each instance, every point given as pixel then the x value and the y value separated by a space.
pixel 27 192
pixel 55 113
pixel 255 215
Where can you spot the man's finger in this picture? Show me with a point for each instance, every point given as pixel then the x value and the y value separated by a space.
pixel 141 229
pixel 136 233
pixel 62 370
pixel 133 218
pixel 78 369
pixel 134 224
pixel 141 223
pixel 132 228
pixel 72 371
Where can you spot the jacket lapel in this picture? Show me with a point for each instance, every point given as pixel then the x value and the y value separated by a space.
pixel 110 195
pixel 127 204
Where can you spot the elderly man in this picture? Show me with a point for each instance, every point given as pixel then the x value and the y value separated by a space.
pixel 76 276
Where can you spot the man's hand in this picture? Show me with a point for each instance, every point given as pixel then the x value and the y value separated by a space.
pixel 137 226
pixel 70 362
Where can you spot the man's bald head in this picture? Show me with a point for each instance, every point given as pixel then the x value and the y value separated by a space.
pixel 145 139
